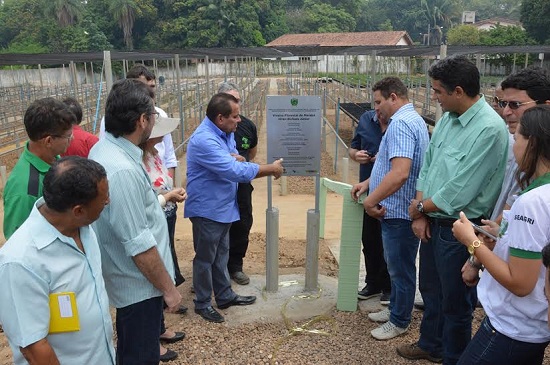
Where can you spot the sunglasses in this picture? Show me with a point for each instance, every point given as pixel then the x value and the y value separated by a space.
pixel 513 104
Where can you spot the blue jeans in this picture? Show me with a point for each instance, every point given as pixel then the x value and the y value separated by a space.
pixel 138 329
pixel 211 243
pixel 492 347
pixel 400 250
pixel 446 327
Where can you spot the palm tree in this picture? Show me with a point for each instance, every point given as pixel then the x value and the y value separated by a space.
pixel 124 12
pixel 65 11
pixel 440 12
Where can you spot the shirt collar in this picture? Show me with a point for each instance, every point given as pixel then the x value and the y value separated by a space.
pixel 215 128
pixel 42 231
pixel 36 161
pixel 131 149
pixel 404 108
pixel 469 114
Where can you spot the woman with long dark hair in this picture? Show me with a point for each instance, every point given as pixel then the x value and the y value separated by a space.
pixel 511 289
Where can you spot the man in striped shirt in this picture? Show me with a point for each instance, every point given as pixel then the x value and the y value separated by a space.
pixel 392 186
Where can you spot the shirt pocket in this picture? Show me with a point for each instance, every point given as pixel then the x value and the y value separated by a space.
pixel 452 158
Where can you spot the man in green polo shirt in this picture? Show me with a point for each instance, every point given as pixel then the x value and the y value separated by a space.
pixel 463 170
pixel 48 123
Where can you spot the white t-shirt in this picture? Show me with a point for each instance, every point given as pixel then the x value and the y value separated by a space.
pixel 526 226
pixel 165 148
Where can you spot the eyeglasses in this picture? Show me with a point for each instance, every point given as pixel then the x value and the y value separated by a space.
pixel 496 100
pixel 513 104
pixel 69 138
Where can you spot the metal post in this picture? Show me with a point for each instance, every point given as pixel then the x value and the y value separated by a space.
pixel 272 242
pixel 312 250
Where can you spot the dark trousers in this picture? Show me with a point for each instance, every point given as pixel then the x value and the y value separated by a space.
pixel 446 327
pixel 138 330
pixel 238 234
pixel 211 243
pixel 171 220
pixel 377 272
pixel 492 347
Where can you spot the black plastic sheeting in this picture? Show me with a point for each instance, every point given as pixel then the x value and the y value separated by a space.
pixel 261 52
pixel 355 110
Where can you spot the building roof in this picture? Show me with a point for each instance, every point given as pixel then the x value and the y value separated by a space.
pixel 495 21
pixel 342 39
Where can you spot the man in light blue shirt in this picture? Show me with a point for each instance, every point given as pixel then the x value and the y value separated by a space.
pixel 214 168
pixel 392 186
pixel 53 256
pixel 132 230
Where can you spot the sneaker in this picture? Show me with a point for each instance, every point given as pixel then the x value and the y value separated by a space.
pixel 240 277
pixel 367 293
pixel 385 298
pixel 382 316
pixel 387 331
pixel 419 303
pixel 413 352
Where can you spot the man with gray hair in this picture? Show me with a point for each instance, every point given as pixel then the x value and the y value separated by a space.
pixel 246 138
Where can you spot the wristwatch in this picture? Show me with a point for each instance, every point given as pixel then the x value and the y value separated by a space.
pixel 420 206
pixel 472 248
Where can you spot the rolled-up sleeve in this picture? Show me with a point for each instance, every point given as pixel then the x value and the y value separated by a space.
pixel 127 216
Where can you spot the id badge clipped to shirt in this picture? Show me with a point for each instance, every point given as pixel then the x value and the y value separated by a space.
pixel 63 313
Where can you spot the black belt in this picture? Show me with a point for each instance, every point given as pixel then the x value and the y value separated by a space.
pixel 448 222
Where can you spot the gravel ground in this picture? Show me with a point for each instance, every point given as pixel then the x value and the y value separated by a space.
pixel 345 339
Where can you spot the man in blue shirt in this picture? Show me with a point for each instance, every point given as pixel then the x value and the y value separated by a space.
pixel 214 169
pixel 363 150
pixel 392 186
pixel 54 257
pixel 132 230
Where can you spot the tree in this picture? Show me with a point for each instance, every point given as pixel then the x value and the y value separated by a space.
pixel 463 35
pixel 505 36
pixel 66 12
pixel 535 16
pixel 124 12
pixel 440 12
pixel 485 9
pixel 320 18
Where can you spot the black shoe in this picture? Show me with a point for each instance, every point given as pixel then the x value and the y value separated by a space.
pixel 238 300
pixel 177 337
pixel 367 293
pixel 168 356
pixel 210 314
pixel 181 310
pixel 240 277
pixel 385 297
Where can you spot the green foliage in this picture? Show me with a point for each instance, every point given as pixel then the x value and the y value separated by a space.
pixel 66 12
pixel 535 16
pixel 317 17
pixel 485 9
pixel 25 47
pixel 505 36
pixel 74 25
pixel 463 35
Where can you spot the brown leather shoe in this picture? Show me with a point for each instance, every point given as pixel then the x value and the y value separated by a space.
pixel 413 352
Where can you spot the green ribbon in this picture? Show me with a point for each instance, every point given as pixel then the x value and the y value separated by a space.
pixel 539 181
